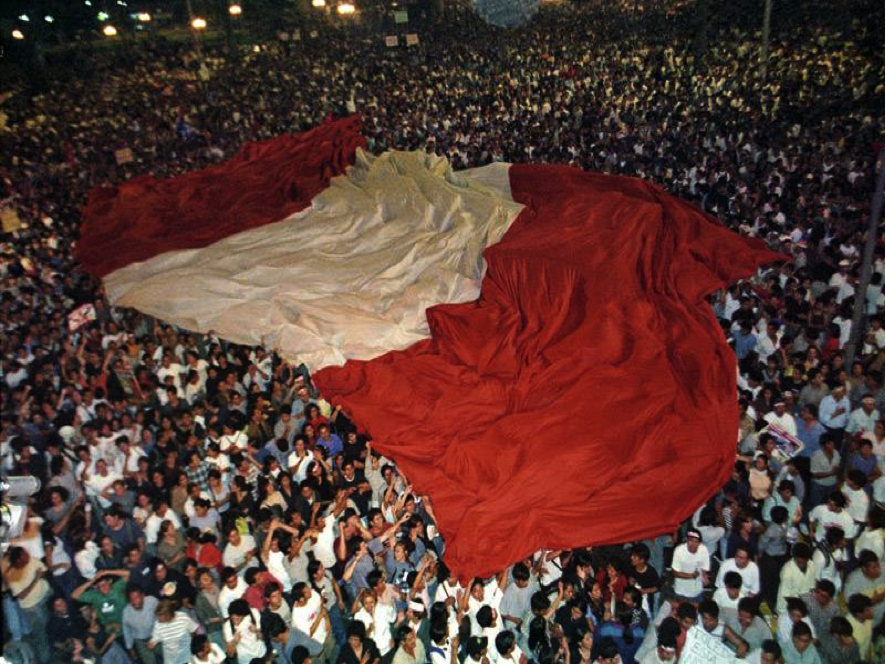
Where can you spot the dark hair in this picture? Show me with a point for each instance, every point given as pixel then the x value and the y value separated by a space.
pixel 373 578
pixel 520 572
pixel 625 618
pixel 841 627
pixel 239 607
pixel 687 611
pixel 504 642
pixel 299 654
pixel 771 646
pixel 797 605
pixel 197 644
pixel 608 648
pixel 838 498
pixel 356 629
pixel 867 557
pixel 273 625
pixel 802 551
pixel 710 608
pixel 827 587
pixel 801 629
pixel 539 602
pixel 641 550
pixel 778 514
pixel 858 603
pixel 484 617
pixel 732 580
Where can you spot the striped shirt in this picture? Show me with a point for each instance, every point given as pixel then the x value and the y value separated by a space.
pixel 175 636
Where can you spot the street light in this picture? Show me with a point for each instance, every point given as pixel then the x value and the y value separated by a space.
pixel 235 10
pixel 48 19
pixel 318 3
pixel 346 8
pixel 24 17
pixel 144 17
pixel 110 31
pixel 198 24
pixel 17 34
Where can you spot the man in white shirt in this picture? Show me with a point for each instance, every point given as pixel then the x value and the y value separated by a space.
pixel 782 418
pixel 162 512
pixel 690 565
pixel 833 513
pixel 310 619
pixel 99 481
pixel 741 564
pixel 232 589
pixel 240 552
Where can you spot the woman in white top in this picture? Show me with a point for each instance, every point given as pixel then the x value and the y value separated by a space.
pixel 205 651
pixel 242 632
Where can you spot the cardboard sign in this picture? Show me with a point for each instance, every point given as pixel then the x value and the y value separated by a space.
pixel 124 156
pixel 81 316
pixel 10 219
pixel 391 40
pixel 702 647
pixel 411 39
pixel 786 445
pixel 401 16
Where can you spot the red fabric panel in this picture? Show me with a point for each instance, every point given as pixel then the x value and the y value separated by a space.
pixel 264 182
pixel 588 397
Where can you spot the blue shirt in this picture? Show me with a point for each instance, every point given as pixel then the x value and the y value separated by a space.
pixel 826 412
pixel 810 436
pixel 744 344
pixel 332 444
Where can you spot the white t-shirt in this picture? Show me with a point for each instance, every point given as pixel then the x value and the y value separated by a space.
pixel 324 548
pixel 303 618
pixel 278 570
pixel 750 576
pixel 249 629
pixel 227 596
pixel 216 656
pixel 233 556
pixel 384 616
pixel 858 505
pixel 824 518
pixel 687 562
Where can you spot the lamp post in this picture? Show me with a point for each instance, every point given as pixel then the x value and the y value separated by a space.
pixel 764 40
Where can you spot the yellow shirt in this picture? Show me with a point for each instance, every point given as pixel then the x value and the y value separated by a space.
pixel 18 579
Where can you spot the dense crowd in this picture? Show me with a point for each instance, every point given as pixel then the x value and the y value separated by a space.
pixel 202 503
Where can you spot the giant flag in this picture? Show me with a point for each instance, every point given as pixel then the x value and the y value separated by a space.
pixel 531 344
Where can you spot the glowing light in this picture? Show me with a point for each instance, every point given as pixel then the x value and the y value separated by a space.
pixel 256 49
pixel 48 19
pixel 110 31
pixel 235 10
pixel 24 17
pixel 198 24
pixel 144 17
pixel 346 8
pixel 102 16
pixel 18 34
pixel 88 3
pixel 318 3
pixel 121 3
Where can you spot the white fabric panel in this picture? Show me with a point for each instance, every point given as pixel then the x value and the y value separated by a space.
pixel 350 276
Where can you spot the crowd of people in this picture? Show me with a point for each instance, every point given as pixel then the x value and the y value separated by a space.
pixel 202 503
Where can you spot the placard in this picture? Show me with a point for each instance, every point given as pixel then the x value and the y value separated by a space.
pixel 81 316
pixel 10 220
pixel 411 39
pixel 786 444
pixel 391 40
pixel 124 156
pixel 401 16
pixel 701 647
